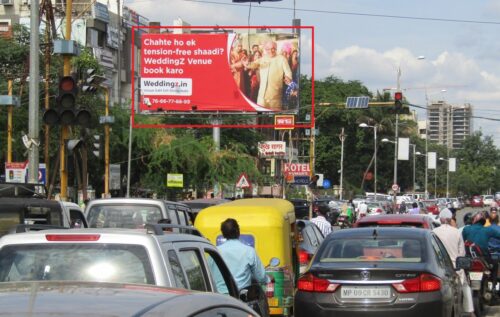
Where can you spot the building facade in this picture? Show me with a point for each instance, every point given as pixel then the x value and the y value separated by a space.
pixel 447 124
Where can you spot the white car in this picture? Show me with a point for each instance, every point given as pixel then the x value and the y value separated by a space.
pixel 488 199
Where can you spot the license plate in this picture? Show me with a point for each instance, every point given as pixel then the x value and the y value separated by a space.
pixel 273 301
pixel 365 292
pixel 476 276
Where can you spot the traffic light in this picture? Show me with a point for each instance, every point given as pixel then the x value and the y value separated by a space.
pixel 98 145
pixel 66 100
pixel 398 101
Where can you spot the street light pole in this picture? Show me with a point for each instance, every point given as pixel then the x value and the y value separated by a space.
pixel 375 167
pixel 414 184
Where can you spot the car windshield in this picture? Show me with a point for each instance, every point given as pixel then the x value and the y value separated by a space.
pixel 117 263
pixel 123 216
pixel 12 215
pixel 371 250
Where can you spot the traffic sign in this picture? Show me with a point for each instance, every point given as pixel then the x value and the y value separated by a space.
pixel 301 180
pixel 243 181
pixel 327 184
pixel 395 187
pixel 357 102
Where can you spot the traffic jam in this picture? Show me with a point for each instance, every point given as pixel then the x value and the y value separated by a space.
pixel 246 257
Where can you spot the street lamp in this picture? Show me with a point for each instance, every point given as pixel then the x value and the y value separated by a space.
pixel 364 125
pixel 385 140
pixel 447 175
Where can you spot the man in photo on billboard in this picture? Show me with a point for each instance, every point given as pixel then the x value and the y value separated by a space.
pixel 274 72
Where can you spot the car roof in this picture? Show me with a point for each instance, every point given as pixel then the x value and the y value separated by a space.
pixel 399 232
pixel 67 298
pixel 122 200
pixel 107 235
pixel 396 217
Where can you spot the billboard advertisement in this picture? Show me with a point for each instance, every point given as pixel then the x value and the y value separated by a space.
pixel 272 149
pixel 219 72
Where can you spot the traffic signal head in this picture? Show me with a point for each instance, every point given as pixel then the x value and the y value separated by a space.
pixel 83 117
pixel 98 145
pixel 398 100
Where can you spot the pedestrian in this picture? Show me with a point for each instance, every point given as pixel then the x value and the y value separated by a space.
pixel 454 245
pixel 362 209
pixel 320 221
pixel 414 210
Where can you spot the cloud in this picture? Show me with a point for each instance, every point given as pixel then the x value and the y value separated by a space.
pixel 191 12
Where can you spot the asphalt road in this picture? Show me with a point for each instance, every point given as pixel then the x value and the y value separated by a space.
pixel 491 311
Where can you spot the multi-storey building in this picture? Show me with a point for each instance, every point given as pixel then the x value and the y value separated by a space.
pixel 447 124
pixel 104 26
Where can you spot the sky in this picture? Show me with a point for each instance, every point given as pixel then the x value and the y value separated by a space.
pixel 368 40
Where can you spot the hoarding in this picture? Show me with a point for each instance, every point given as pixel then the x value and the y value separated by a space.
pixel 219 72
pixel 296 169
pixel 431 160
pixel 403 149
pixel 452 164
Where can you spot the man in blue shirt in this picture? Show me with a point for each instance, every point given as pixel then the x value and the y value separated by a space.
pixel 241 259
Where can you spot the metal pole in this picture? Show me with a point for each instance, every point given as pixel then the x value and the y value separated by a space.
pixel 47 102
pixel 34 98
pixel 9 125
pixel 435 182
pixel 447 178
pixel 106 144
pixel 311 165
pixel 129 162
pixel 414 185
pixel 342 139
pixel 119 54
pixel 375 163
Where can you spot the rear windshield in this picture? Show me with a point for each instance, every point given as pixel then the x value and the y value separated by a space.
pixel 394 224
pixel 370 250
pixel 77 262
pixel 11 215
pixel 123 216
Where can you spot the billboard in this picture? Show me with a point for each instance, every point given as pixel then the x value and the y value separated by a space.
pixel 219 72
pixel 272 149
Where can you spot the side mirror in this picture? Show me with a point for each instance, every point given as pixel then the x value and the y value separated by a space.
pixel 244 295
pixel 274 262
pixel 463 263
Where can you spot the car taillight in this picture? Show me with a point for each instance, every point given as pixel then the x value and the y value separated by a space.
pixel 310 283
pixel 304 257
pixel 378 210
pixel 477 266
pixel 422 283
pixel 72 237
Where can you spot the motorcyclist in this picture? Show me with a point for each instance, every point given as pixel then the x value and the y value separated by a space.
pixel 481 235
pixel 467 221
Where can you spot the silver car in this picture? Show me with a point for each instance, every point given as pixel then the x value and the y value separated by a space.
pixel 115 255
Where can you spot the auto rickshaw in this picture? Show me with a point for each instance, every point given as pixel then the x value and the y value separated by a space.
pixel 268 225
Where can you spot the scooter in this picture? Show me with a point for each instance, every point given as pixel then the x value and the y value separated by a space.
pixel 343 222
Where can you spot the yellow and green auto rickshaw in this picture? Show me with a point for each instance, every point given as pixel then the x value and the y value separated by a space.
pixel 268 225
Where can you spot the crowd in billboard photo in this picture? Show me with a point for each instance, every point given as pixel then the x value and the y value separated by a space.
pixel 266 69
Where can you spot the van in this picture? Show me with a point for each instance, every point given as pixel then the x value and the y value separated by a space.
pixel 134 213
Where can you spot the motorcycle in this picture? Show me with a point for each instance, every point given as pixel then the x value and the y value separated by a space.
pixel 479 276
pixel 343 222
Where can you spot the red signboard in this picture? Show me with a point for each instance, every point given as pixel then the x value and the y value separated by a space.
pixel 284 122
pixel 206 72
pixel 297 169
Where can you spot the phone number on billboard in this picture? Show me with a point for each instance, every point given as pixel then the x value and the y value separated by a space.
pixel 170 101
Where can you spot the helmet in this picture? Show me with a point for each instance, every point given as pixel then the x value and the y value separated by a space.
pixel 468 218
pixel 478 217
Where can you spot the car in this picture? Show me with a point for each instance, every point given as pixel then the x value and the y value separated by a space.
pixel 134 213
pixel 398 220
pixel 488 199
pixel 310 238
pixel 63 298
pixel 301 207
pixel 375 207
pixel 389 271
pixel 38 211
pixel 148 256
pixel 431 206
pixel 477 201
pixel 196 205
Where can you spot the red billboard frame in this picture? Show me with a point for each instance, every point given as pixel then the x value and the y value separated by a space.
pixel 237 126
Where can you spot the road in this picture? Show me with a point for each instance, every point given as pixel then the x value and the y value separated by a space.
pixel 493 311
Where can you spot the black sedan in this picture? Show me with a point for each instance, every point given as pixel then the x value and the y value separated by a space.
pixel 379 272
pixel 109 299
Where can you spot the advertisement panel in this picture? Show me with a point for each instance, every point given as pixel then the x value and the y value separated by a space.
pixel 272 148
pixel 403 149
pixel 15 172
pixel 219 72
pixel 175 180
pixel 431 160
pixel 296 169
pixel 452 164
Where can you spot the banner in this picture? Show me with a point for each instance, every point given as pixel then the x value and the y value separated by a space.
pixel 15 172
pixel 175 180
pixel 452 164
pixel 431 160
pixel 114 176
pixel 272 148
pixel 403 149
pixel 296 169
pixel 212 72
